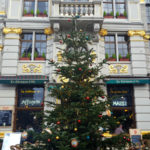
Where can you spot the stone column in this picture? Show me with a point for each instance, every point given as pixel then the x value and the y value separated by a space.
pixel 137 49
pixel 11 51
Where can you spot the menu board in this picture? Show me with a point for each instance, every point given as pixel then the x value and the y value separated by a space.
pixel 11 139
pixel 5 117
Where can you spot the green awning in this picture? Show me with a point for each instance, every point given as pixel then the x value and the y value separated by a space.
pixel 128 81
pixel 33 79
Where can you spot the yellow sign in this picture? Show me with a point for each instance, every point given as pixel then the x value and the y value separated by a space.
pixel 3 133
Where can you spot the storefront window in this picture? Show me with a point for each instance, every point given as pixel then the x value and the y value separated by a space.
pixel 121 97
pixel 30 104
pixel 31 97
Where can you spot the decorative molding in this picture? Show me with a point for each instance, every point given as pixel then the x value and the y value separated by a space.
pixel 118 68
pixel 12 30
pixel 103 32
pixel 48 31
pixel 1 47
pixel 31 68
pixel 142 1
pixel 136 32
pixel 2 13
pixel 147 37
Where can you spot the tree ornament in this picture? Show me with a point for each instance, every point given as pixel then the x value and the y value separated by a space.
pixel 75 129
pixel 124 137
pixel 58 70
pixel 80 69
pixel 61 42
pixel 79 121
pixel 87 38
pixel 87 98
pixel 49 140
pixel 51 60
pixel 88 137
pixel 57 137
pixel 108 112
pixel 100 115
pixel 81 30
pixel 68 36
pixel 58 122
pixel 103 97
pixel 128 140
pixel 74 142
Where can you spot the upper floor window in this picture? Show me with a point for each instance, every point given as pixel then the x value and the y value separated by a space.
pixel 33 46
pixel 117 48
pixel 114 8
pixel 148 12
pixel 37 8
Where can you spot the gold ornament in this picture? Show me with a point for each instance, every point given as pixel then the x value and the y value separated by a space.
pixel 108 112
pixel 147 37
pixel 1 47
pixel 103 32
pixel 136 32
pixel 57 137
pixel 93 53
pixel 59 56
pixel 75 129
pixel 12 30
pixel 48 31
pixel 81 30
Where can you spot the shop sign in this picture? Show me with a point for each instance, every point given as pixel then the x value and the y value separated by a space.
pixel 119 103
pixel 134 81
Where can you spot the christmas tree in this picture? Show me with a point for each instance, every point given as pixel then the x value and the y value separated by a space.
pixel 84 113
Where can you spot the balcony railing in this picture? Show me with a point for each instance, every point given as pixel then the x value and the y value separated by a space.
pixel 76 9
pixel 83 8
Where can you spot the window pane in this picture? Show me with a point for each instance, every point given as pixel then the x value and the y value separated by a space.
pixel 110 46
pixel 43 6
pixel 40 46
pixel 108 6
pixel 29 5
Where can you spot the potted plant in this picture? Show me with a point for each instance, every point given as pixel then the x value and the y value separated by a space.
pixel 127 58
pixel 122 16
pixel 41 14
pixel 120 57
pixel 38 12
pixel 37 57
pixel 106 56
pixel 117 14
pixel 108 15
pixel 25 57
pixel 28 14
pixel 113 58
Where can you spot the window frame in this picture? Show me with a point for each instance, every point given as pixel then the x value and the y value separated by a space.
pixel 114 9
pixel 116 46
pixel 36 8
pixel 33 45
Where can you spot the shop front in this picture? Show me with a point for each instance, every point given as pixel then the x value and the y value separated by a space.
pixel 23 99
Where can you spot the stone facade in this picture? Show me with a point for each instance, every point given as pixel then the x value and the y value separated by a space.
pixel 13 23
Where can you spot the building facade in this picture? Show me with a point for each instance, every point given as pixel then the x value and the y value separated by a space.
pixel 29 37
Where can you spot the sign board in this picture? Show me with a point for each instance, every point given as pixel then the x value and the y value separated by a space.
pixel 132 81
pixel 11 139
pixel 5 117
pixel 136 138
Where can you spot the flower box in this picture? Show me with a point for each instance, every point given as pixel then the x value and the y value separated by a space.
pixel 111 59
pixel 39 58
pixel 28 15
pixel 41 15
pixel 121 17
pixel 108 16
pixel 124 59
pixel 24 58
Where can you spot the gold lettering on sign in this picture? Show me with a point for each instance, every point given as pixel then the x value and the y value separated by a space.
pixel 116 69
pixel 12 30
pixel 31 68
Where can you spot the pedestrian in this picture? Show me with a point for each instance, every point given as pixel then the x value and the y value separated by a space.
pixel 119 129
